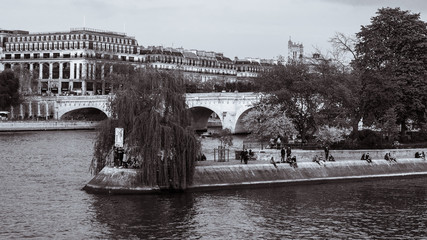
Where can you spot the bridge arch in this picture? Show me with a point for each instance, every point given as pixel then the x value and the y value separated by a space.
pixel 228 106
pixel 88 113
pixel 201 115
pixel 73 105
pixel 238 125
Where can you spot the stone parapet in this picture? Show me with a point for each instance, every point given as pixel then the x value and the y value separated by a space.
pixel 14 126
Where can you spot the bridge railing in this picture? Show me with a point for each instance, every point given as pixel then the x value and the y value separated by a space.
pixel 69 98
pixel 222 96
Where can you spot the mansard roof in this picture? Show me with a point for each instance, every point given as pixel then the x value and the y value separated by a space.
pixel 188 54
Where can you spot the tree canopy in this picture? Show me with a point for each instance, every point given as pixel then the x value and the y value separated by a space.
pixel 392 60
pixel 292 88
pixel 267 121
pixel 9 90
pixel 311 94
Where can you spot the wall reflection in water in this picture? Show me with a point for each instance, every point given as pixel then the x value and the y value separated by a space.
pixel 370 209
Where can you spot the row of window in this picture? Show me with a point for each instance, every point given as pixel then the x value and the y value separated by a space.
pixel 195 69
pixel 91 71
pixel 38 38
pixel 250 69
pixel 113 48
pixel 69 45
pixel 45 46
pixel 191 62
pixel 39 55
pixel 46 38
pixel 132 59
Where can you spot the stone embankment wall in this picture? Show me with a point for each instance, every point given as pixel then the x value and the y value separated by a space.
pixel 267 174
pixel 118 180
pixel 114 180
pixel 11 126
pixel 308 155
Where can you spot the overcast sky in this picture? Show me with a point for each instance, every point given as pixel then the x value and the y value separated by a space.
pixel 243 28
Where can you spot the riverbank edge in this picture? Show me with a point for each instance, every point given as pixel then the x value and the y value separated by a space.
pixel 208 178
pixel 53 125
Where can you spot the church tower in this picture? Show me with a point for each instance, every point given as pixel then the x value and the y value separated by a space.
pixel 295 51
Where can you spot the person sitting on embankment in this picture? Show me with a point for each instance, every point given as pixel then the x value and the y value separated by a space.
pixel 318 160
pixel 420 155
pixel 389 157
pixel 366 157
pixel 272 162
pixel 293 162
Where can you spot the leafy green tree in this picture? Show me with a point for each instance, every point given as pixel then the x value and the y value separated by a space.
pixel 9 90
pixel 267 121
pixel 387 124
pixel 340 85
pixel 150 106
pixel 225 138
pixel 344 104
pixel 328 135
pixel 392 61
pixel 296 91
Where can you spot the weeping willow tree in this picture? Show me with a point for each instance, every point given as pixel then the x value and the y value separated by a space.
pixel 150 106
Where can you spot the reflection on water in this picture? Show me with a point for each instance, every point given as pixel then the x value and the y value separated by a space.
pixel 384 209
pixel 41 197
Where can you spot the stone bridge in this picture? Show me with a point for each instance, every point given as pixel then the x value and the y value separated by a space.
pixel 70 104
pixel 229 108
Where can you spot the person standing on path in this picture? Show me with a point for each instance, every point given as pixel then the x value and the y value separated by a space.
pixel 246 156
pixel 326 152
pixel 242 155
pixel 282 155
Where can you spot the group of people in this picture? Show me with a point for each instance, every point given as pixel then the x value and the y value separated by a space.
pixel 276 142
pixel 285 154
pixel 321 161
pixel 120 159
pixel 245 155
pixel 201 157
pixel 388 157
pixel 328 157
pixel 286 157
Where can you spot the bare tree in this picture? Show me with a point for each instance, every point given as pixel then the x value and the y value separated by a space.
pixel 343 48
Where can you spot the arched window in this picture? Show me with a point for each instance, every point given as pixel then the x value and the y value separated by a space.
pixel 45 71
pixel 36 69
pixel 55 70
pixel 66 70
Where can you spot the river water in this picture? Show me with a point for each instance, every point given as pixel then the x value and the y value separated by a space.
pixel 42 174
